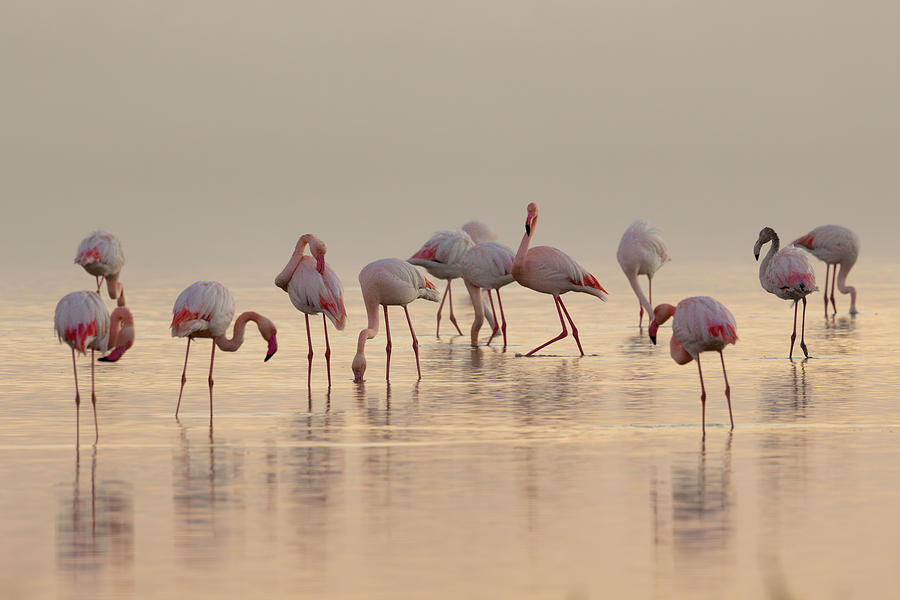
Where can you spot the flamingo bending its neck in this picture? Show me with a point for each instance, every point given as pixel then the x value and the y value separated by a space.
pixel 702 324
pixel 204 310
pixel 551 271
pixel 440 255
pixel 787 274
pixel 101 255
pixel 486 266
pixel 389 282
pixel 313 288
pixel 642 251
pixel 835 245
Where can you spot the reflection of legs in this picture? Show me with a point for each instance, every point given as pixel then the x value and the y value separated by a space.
pixel 833 280
pixel 564 333
pixel 415 343
pixel 502 318
pixel 794 335
pixel 450 302
pixel 94 401
pixel 572 323
pixel 212 359
pixel 77 399
pixel 727 389
pixel 183 377
pixel 387 348
pixel 327 349
pixel 309 355
pixel 496 323
pixel 437 332
pixel 825 289
pixel 702 398
pixel 803 329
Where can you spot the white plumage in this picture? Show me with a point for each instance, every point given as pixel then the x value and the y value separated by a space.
pixel 81 321
pixel 703 324
pixel 479 231
pixel 642 251
pixel 487 265
pixel 203 309
pixel 441 253
pixel 835 245
pixel 313 293
pixel 101 254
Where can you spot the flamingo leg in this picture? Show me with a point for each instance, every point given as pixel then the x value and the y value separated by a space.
pixel 97 279
pixel 564 333
pixel 212 358
pixel 803 330
pixel 496 324
pixel 415 343
pixel 437 332
pixel 702 398
pixel 77 399
pixel 387 348
pixel 727 390
pixel 825 290
pixel 183 377
pixel 572 323
pixel 327 349
pixel 94 401
pixel 502 318
pixel 641 316
pixel 794 335
pixel 309 355
pixel 450 303
pixel 833 280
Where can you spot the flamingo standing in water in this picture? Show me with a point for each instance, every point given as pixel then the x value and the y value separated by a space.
pixel 204 310
pixel 314 288
pixel 702 324
pixel 835 245
pixel 486 266
pixel 787 274
pixel 439 255
pixel 551 271
pixel 101 255
pixel 642 251
pixel 388 282
pixel 81 321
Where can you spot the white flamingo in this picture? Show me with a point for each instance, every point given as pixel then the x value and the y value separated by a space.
pixel 702 324
pixel 101 255
pixel 642 251
pixel 313 288
pixel 439 255
pixel 486 266
pixel 835 245
pixel 787 274
pixel 479 231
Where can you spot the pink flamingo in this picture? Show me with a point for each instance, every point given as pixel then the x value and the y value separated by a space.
pixel 835 245
pixel 204 310
pixel 101 255
pixel 81 321
pixel 702 324
pixel 389 282
pixel 486 266
pixel 787 274
pixel 313 288
pixel 551 271
pixel 642 251
pixel 439 255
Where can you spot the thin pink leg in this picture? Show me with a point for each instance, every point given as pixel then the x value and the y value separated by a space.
pixel 450 303
pixel 437 332
pixel 99 281
pixel 572 323
pixel 212 359
pixel 94 401
pixel 641 316
pixel 825 290
pixel 415 340
pixel 502 317
pixel 387 348
pixel 496 323
pixel 803 331
pixel 327 349
pixel 833 279
pixel 727 390
pixel 702 398
pixel 77 400
pixel 183 377
pixel 564 333
pixel 794 335
pixel 309 355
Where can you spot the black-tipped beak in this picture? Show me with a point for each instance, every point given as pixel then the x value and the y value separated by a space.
pixel 527 229
pixel 273 348
pixel 653 339
pixel 756 255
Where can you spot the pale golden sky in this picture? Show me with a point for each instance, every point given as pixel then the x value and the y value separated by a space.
pixel 210 135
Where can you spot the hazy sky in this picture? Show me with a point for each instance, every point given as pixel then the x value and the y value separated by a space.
pixel 209 135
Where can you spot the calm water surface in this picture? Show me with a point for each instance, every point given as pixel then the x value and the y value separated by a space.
pixel 495 476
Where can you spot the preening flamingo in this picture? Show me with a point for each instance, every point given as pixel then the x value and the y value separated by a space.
pixel 101 255
pixel 479 231
pixel 787 274
pixel 204 310
pixel 388 282
pixel 439 255
pixel 551 271
pixel 835 245
pixel 701 324
pixel 642 251
pixel 486 266
pixel 314 288
pixel 81 321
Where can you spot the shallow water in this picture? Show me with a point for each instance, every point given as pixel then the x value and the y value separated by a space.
pixel 495 476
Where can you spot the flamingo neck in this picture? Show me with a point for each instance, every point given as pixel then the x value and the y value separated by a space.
pixel 282 279
pixel 371 329
pixel 237 338
pixel 523 248
pixel 678 353
pixel 846 289
pixel 636 286
pixel 113 287
pixel 773 250
pixel 119 319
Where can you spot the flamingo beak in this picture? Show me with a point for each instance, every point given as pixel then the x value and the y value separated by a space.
pixel 654 327
pixel 273 348
pixel 320 263
pixel 756 255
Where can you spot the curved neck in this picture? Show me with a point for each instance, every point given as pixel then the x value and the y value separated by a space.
pixel 282 279
pixel 846 289
pixel 523 246
pixel 371 329
pixel 113 287
pixel 119 318
pixel 678 353
pixel 773 250
pixel 633 280
pixel 237 338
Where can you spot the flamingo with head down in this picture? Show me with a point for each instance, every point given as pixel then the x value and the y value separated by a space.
pixel 440 255
pixel 101 255
pixel 642 251
pixel 486 266
pixel 835 245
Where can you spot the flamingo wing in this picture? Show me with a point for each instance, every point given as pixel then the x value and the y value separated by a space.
pixel 313 292
pixel 204 306
pixel 101 250
pixel 81 321
pixel 702 323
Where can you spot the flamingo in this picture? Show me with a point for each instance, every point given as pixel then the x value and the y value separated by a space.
pixel 486 266
pixel 702 324
pixel 314 288
pixel 101 255
pixel 642 251
pixel 551 271
pixel 479 231
pixel 389 282
pixel 204 309
pixel 835 245
pixel 81 321
pixel 787 274
pixel 439 256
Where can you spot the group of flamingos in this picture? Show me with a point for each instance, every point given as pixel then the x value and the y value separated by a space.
pixel 205 309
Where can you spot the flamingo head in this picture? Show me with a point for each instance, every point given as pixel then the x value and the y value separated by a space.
pixel 531 219
pixel 359 367
pixel 318 249
pixel 766 234
pixel 661 314
pixel 267 330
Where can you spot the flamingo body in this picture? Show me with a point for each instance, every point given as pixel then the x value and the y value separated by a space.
pixel 81 321
pixel 479 231
pixel 440 256
pixel 101 254
pixel 642 251
pixel 487 266
pixel 834 245
pixel 203 309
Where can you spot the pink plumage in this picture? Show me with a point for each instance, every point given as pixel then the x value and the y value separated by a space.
pixel 440 256
pixel 487 266
pixel 81 321
pixel 101 255
pixel 834 245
